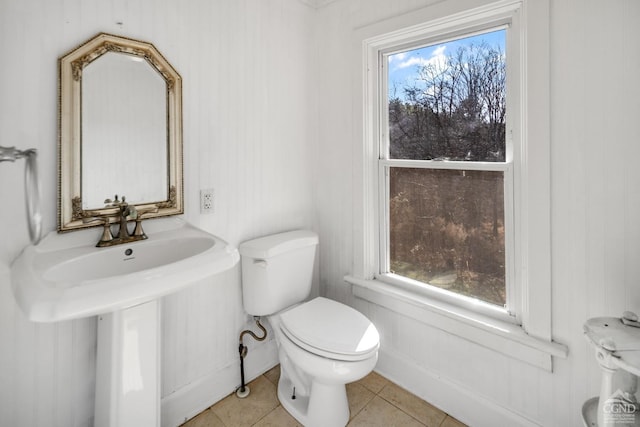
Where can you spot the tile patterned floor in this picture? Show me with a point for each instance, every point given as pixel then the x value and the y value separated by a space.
pixel 374 401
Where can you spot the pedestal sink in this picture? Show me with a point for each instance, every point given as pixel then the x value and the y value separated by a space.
pixel 66 277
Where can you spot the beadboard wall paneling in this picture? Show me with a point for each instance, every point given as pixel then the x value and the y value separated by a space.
pixel 595 211
pixel 248 69
pixel 269 113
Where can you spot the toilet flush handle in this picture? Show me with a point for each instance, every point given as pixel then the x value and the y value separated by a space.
pixel 260 263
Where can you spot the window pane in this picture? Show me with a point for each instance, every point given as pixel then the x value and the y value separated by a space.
pixel 447 229
pixel 447 101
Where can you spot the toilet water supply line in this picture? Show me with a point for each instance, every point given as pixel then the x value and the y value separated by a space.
pixel 243 390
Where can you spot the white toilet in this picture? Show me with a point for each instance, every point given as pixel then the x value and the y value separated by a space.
pixel 322 344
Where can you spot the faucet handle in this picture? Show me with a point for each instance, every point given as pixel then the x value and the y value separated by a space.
pixel 138 231
pixel 106 237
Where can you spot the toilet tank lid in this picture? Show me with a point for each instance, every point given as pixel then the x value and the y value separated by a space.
pixel 276 244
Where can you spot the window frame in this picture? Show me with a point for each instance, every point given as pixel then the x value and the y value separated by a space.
pixel 509 167
pixel 529 339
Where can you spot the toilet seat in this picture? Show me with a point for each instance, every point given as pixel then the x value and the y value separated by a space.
pixel 331 329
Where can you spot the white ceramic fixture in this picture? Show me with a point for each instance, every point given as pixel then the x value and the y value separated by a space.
pixel 617 350
pixel 322 344
pixel 67 277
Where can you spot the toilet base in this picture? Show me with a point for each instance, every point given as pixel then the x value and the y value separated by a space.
pixel 325 406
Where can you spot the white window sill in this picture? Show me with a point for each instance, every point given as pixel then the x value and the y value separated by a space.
pixel 504 337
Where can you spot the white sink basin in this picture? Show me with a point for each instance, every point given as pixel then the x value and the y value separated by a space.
pixel 67 277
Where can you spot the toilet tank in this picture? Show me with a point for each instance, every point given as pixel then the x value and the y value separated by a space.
pixel 277 271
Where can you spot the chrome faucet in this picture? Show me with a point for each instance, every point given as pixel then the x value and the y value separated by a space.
pixel 121 213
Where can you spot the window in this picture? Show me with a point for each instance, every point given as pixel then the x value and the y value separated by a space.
pixel 515 183
pixel 446 168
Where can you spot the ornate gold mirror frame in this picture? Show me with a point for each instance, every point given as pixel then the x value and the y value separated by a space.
pixel 71 214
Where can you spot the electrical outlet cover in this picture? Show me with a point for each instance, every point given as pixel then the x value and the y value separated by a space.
pixel 206 201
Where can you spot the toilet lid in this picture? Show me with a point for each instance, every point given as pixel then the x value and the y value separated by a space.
pixel 331 329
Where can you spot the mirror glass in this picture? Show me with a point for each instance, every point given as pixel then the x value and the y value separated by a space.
pixel 132 94
pixel 120 130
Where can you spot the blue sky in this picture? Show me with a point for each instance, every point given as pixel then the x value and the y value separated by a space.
pixel 403 66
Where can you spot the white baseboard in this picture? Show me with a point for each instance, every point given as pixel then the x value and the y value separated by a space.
pixel 190 400
pixel 453 398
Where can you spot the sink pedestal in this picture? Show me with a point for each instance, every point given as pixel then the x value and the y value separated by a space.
pixel 67 277
pixel 128 367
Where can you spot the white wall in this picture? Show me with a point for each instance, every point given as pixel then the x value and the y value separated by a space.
pixel 595 63
pixel 252 95
pixel 249 125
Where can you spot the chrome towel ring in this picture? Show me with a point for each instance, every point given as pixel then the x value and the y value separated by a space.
pixel 31 186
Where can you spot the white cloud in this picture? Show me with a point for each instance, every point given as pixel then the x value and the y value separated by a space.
pixel 414 60
pixel 437 57
pixel 397 57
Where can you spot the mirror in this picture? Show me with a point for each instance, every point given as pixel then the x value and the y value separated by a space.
pixel 120 117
